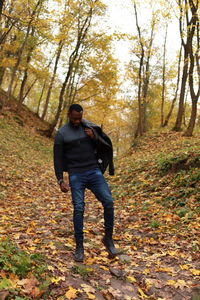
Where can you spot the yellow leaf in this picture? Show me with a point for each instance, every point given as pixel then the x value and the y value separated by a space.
pixel 184 267
pixel 181 284
pixel 171 282
pixel 177 284
pixel 164 269
pixel 172 253
pixel 131 279
pixel 104 268
pixel 68 245
pixel 50 268
pixel 90 261
pixel 146 271
pixel 104 253
pixel 90 296
pixel 32 248
pixel 87 288
pixel 57 279
pixel 29 229
pixel 142 294
pixel 195 272
pixel 71 294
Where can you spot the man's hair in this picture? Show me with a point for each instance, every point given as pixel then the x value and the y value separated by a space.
pixel 76 107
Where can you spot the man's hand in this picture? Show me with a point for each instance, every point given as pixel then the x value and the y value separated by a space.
pixel 64 187
pixel 90 133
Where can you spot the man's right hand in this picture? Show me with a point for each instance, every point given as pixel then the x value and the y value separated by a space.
pixel 64 187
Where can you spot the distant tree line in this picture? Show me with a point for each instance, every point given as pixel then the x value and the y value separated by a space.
pixel 55 53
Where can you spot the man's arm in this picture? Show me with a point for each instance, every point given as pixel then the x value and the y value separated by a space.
pixel 59 162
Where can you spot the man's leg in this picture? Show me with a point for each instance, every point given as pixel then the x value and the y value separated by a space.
pixel 100 188
pixel 77 190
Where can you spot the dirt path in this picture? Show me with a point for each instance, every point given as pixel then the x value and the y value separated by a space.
pixel 159 260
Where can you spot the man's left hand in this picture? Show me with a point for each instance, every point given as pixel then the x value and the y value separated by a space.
pixel 90 133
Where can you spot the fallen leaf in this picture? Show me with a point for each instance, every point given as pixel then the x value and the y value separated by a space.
pixel 131 279
pixel 195 272
pixel 4 295
pixel 142 294
pixel 71 293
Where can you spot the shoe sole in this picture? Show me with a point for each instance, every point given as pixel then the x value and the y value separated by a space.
pixel 78 260
pixel 111 255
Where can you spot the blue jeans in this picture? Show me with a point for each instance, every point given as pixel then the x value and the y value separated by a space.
pixel 94 181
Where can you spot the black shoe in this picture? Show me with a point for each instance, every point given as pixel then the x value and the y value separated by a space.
pixel 110 247
pixel 79 254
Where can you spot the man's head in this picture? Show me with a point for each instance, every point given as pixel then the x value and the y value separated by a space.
pixel 75 114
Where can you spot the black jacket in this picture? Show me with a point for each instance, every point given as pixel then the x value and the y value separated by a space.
pixel 103 150
pixel 104 147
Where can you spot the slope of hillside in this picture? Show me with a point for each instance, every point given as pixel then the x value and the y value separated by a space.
pixel 157 206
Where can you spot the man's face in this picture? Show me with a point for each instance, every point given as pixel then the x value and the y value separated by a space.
pixel 75 118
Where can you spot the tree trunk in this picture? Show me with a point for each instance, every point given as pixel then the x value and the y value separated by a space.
pixel 177 126
pixel 194 57
pixel 23 84
pixel 140 124
pixel 1 7
pixel 71 91
pixel 40 99
pixel 2 72
pixel 163 78
pixel 192 121
pixel 29 89
pixel 60 46
pixel 190 30
pixel 176 92
pixel 146 78
pixel 21 50
pixel 82 32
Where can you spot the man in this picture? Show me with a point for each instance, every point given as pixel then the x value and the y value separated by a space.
pixel 84 151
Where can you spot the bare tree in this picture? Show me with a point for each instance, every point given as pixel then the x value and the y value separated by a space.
pixel 58 54
pixel 194 61
pixel 187 25
pixel 83 28
pixel 163 78
pixel 143 76
pixel 23 45
pixel 165 123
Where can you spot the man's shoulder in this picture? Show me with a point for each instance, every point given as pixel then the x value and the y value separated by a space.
pixel 63 129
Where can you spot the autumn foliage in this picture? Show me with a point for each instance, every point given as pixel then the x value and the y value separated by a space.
pixel 156 192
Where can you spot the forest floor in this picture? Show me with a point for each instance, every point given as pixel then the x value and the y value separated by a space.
pixel 157 224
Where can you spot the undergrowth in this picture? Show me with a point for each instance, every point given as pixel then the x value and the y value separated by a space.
pixel 18 266
pixel 172 178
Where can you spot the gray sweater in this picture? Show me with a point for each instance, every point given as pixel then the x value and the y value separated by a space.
pixel 74 151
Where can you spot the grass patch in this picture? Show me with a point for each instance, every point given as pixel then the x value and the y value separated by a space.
pixel 179 161
pixel 155 224
pixel 171 163
pixel 83 271
pixel 18 262
pixel 187 178
pixel 18 266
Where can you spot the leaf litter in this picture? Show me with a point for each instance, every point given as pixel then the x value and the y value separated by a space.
pixel 160 258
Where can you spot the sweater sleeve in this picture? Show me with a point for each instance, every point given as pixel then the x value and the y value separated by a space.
pixel 58 156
